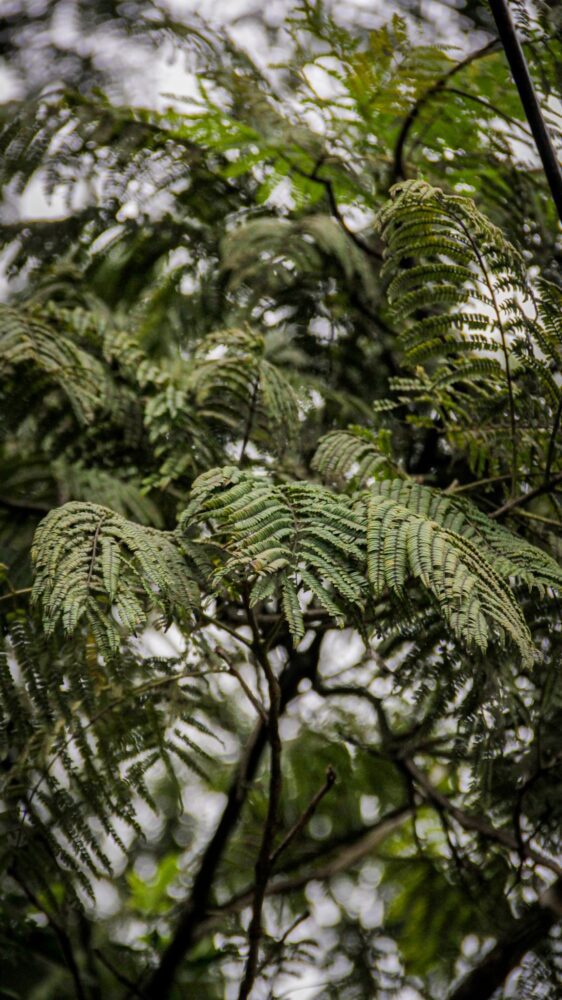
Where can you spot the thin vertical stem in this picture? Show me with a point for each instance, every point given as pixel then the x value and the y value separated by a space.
pixel 264 862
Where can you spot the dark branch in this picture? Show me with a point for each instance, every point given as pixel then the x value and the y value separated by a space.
pixel 529 100
pixel 329 861
pixel 398 169
pixel 306 816
pixel 524 935
pixel 60 933
pixel 302 665
pixel 477 824
pixel 525 498
pixel 264 862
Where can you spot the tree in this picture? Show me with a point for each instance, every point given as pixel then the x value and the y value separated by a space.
pixel 280 523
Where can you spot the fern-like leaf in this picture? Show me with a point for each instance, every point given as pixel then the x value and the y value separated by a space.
pixel 93 563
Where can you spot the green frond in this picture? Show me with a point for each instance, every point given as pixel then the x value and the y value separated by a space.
pixel 236 384
pixel 78 760
pixel 510 556
pixel 265 530
pixel 444 255
pixel 269 252
pixel 356 454
pixel 345 549
pixel 100 486
pixel 53 358
pixel 93 564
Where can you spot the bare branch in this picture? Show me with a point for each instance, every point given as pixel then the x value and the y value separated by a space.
pixel 306 816
pixel 478 824
pixel 355 847
pixel 194 911
pixel 529 100
pixel 264 862
pixel 525 498
pixel 398 169
pixel 245 687
pixel 524 935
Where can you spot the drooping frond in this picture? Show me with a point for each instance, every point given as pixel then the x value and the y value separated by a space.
pixel 345 550
pixel 472 597
pixel 282 539
pixel 236 384
pixel 125 497
pixel 461 298
pixel 356 454
pixel 78 742
pixel 511 556
pixel 26 340
pixel 443 256
pixel 269 253
pixel 90 562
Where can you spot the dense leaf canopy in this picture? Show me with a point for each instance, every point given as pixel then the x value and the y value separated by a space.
pixel 280 511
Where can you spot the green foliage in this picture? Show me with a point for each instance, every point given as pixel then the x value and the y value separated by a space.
pixel 104 564
pixel 281 405
pixel 27 342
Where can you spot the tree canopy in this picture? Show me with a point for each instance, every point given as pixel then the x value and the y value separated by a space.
pixel 280 511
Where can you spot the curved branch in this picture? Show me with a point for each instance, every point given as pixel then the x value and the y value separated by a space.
pixel 525 498
pixel 524 935
pixel 398 169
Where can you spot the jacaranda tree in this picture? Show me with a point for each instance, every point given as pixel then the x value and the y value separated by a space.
pixel 280 514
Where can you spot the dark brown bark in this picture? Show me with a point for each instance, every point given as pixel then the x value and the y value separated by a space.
pixel 524 935
pixel 302 665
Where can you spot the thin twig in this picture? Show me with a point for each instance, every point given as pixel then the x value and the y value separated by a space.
pixel 283 939
pixel 208 620
pixel 245 687
pixel 335 860
pixel 306 815
pixel 335 209
pixel 398 169
pixel 16 593
pixel 476 484
pixel 60 933
pixel 525 498
pixel 490 107
pixel 131 986
pixel 477 824
pixel 551 522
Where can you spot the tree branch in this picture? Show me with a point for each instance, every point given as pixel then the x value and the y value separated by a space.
pixel 478 824
pixel 398 169
pixel 525 498
pixel 335 209
pixel 302 665
pixel 529 100
pixel 264 862
pixel 348 853
pixel 524 935
pixel 306 816
pixel 60 933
